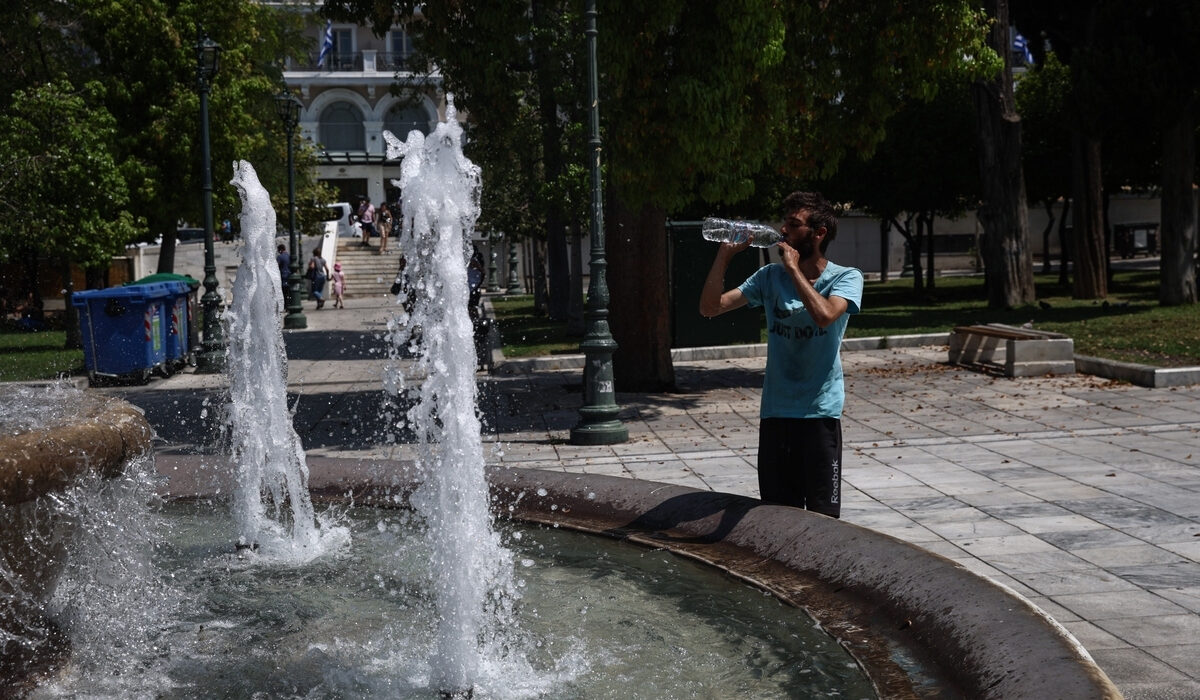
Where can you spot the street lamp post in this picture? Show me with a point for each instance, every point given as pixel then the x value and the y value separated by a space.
pixel 212 352
pixel 514 281
pixel 288 108
pixel 598 423
pixel 493 282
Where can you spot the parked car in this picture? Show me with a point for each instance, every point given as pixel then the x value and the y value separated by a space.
pixel 339 218
pixel 187 235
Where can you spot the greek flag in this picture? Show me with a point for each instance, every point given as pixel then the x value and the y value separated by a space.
pixel 1021 46
pixel 327 44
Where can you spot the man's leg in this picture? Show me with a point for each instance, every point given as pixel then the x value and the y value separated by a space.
pixel 823 465
pixel 799 463
pixel 778 465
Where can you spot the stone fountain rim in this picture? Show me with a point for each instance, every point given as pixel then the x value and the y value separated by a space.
pixel 991 642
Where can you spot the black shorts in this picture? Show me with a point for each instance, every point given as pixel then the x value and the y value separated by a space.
pixel 800 463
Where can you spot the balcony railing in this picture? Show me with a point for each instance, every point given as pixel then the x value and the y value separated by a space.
pixel 352 61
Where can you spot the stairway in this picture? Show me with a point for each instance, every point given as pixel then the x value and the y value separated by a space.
pixel 368 274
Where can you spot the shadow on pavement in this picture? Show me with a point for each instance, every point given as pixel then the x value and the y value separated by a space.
pixel 345 420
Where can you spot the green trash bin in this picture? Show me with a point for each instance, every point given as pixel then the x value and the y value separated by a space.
pixel 691 259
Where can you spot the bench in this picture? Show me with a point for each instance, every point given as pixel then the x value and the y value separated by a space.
pixel 1017 352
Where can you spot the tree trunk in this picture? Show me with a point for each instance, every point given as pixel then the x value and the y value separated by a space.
pixel 540 295
pixel 1090 279
pixel 885 240
pixel 1003 212
pixel 1177 223
pixel 74 339
pixel 557 261
pixel 1064 244
pixel 575 318
pixel 914 252
pixel 1049 205
pixel 928 237
pixel 166 252
pixel 636 245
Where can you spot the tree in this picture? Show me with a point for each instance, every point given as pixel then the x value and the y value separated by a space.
pixel 926 166
pixel 697 99
pixel 793 89
pixel 65 203
pixel 1124 57
pixel 1046 140
pixel 141 55
pixel 1002 211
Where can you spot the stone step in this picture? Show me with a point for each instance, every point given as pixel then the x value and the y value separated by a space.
pixel 368 274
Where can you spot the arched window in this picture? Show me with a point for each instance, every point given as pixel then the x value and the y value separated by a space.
pixel 403 118
pixel 342 128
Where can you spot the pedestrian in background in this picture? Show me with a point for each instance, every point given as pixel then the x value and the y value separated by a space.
pixel 339 286
pixel 284 260
pixel 384 226
pixel 366 217
pixel 318 272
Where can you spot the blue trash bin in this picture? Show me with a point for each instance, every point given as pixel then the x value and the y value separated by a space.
pixel 122 329
pixel 175 323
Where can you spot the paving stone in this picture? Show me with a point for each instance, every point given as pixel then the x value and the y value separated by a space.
pixel 1129 555
pixel 1153 631
pixel 1118 605
pixel 1154 576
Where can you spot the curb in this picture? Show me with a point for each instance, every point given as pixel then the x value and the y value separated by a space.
pixel 1139 375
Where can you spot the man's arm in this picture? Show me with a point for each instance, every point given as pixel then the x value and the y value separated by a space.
pixel 714 301
pixel 824 311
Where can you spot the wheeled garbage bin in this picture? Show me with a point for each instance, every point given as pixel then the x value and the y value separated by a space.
pixel 176 320
pixel 181 335
pixel 122 329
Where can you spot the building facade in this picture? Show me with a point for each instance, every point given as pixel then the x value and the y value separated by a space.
pixel 348 102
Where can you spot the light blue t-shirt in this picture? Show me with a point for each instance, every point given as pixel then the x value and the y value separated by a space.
pixel 804 365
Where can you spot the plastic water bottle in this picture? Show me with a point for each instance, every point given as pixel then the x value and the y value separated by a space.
pixel 726 231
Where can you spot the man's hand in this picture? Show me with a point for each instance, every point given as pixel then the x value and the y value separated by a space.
pixel 728 250
pixel 790 257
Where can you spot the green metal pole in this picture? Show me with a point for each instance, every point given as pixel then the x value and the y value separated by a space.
pixel 493 282
pixel 598 422
pixel 212 353
pixel 295 317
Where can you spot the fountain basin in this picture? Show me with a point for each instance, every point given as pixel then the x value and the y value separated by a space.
pixel 904 613
pixel 54 445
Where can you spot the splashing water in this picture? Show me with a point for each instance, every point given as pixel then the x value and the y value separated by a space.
pixel 473 580
pixel 266 448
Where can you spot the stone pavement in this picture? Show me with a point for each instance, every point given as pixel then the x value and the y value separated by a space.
pixel 1079 493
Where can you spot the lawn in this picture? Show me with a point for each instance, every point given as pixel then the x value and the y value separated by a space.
pixel 26 356
pixel 1129 325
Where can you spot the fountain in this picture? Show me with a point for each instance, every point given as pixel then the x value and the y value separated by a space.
pixel 271 468
pixel 441 203
pixel 918 624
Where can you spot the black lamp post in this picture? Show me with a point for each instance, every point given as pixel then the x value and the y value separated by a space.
pixel 598 422
pixel 212 352
pixel 514 281
pixel 288 108
pixel 493 282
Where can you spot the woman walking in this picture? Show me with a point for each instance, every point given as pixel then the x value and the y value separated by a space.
pixel 318 272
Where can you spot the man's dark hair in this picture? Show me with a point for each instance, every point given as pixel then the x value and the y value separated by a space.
pixel 820 213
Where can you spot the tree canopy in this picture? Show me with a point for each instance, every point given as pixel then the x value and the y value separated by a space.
pixel 698 100
pixel 133 64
